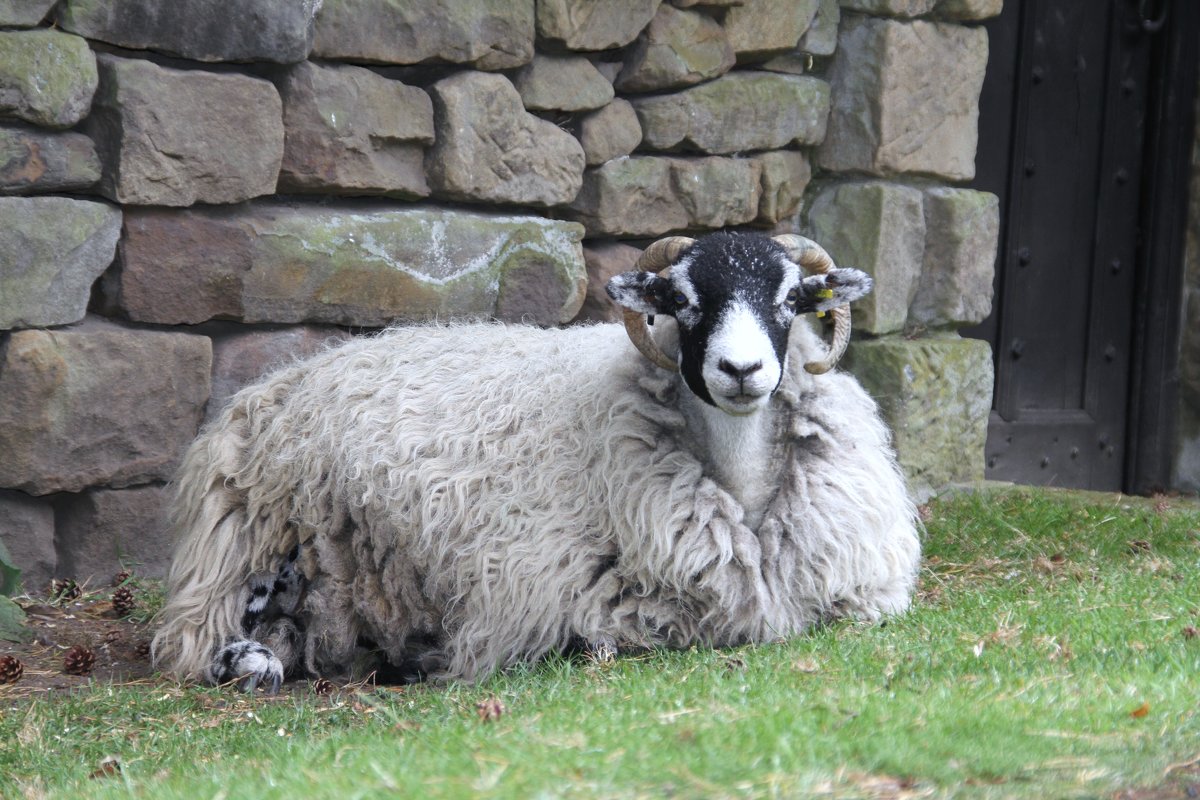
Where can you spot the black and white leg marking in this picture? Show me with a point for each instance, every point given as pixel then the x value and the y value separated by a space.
pixel 273 595
pixel 268 615
pixel 248 663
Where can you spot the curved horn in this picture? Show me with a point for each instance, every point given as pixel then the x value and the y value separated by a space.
pixel 813 258
pixel 659 256
pixel 663 253
pixel 639 334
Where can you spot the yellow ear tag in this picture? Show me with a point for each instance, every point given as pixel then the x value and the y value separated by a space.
pixel 820 313
pixel 825 294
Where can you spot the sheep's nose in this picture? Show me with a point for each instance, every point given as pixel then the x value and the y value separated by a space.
pixel 739 371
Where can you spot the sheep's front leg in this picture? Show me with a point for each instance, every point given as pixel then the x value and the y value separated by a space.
pixel 274 640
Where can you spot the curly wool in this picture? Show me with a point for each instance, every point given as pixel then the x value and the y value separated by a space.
pixel 473 496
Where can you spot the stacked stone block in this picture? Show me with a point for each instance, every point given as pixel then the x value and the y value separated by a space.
pixel 192 193
pixel 902 128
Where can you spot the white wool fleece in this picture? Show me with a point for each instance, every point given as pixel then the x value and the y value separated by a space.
pixel 500 490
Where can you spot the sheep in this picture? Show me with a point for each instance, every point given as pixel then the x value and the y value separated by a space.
pixel 448 500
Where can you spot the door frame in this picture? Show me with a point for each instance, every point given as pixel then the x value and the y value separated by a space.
pixel 1162 225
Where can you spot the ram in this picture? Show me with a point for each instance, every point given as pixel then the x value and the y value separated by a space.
pixel 446 500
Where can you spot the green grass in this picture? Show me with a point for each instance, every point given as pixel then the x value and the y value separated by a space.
pixel 1047 655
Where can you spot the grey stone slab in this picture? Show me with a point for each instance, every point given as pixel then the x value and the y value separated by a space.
pixel 98 405
pixel 968 10
pixel 589 25
pixel 678 48
pixel 348 130
pixel 632 196
pixel 651 195
pixel 766 28
pixel 936 395
pixel 611 132
pixel 489 149
pixel 202 30
pixel 741 111
pixel 905 98
pixel 890 8
pixel 346 265
pixel 821 37
pixel 34 161
pixel 27 531
pixel 487 34
pixel 785 176
pixel 102 531
pixel 962 231
pixel 47 77
pixel 562 83
pixel 170 137
pixel 24 13
pixel 51 251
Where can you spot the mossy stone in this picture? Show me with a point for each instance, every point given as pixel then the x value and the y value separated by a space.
pixel 936 395
pixel 47 77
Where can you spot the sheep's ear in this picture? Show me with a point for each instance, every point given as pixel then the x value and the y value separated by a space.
pixel 835 288
pixel 643 292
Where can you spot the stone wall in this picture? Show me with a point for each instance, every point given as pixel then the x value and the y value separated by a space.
pixel 194 192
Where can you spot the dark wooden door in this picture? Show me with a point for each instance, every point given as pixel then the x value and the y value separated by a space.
pixel 1063 142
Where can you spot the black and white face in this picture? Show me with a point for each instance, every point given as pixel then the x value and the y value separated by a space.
pixel 735 297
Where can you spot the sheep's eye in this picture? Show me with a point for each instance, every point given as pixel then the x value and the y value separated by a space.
pixel 680 300
pixel 793 297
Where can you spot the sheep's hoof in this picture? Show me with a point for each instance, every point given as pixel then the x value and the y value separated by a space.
pixel 602 650
pixel 249 664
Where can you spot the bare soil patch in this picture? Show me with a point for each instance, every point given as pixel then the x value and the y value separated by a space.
pixel 121 646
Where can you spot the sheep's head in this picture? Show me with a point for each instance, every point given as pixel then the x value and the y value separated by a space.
pixel 735 297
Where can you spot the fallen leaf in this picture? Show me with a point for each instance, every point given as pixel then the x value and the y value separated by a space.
pixel 1140 711
pixel 1139 546
pixel 1190 632
pixel 806 665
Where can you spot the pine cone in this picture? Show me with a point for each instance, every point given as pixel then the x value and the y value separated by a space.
pixel 11 669
pixel 322 686
pixel 123 601
pixel 79 660
pixel 64 589
pixel 121 577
